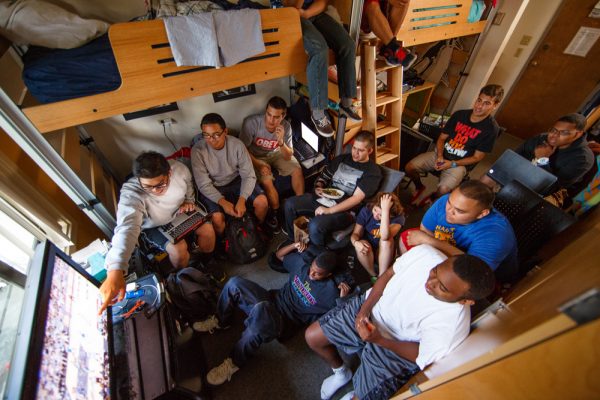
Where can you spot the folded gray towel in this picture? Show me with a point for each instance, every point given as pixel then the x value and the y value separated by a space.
pixel 239 35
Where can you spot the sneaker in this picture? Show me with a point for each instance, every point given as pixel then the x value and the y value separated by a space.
pixel 390 56
pixel 416 195
pixel 363 36
pixel 273 223
pixel 334 382
pixel 350 112
pixel 408 61
pixel 218 375
pixel 323 126
pixel 208 325
pixel 348 396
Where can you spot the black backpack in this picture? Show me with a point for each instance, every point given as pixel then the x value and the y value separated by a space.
pixel 245 241
pixel 193 293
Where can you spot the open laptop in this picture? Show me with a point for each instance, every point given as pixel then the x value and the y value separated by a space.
pixel 183 224
pixel 511 166
pixel 306 148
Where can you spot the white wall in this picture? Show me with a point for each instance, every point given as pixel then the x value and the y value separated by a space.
pixel 493 43
pixel 121 141
pixel 537 17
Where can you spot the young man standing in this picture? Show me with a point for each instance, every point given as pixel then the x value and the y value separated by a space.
pixel 158 190
pixel 310 292
pixel 319 33
pixel 465 139
pixel 268 138
pixel 416 313
pixel 466 222
pixel 224 174
pixel 355 174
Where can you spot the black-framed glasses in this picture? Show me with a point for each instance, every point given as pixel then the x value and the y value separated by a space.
pixel 214 135
pixel 157 187
pixel 564 132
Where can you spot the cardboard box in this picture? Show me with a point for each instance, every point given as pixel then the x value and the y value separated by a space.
pixel 301 229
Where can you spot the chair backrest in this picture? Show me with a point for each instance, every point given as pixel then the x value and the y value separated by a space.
pixel 534 220
pixel 391 179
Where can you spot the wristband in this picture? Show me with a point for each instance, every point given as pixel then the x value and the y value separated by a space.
pixel 540 162
pixel 453 165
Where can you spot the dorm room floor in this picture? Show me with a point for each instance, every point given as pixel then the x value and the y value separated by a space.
pixel 290 370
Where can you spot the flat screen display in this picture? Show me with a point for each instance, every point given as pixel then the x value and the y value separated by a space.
pixel 74 362
pixel 310 137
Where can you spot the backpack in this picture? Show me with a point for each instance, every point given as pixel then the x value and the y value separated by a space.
pixel 193 293
pixel 245 241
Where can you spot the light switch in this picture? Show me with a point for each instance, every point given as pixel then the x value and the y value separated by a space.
pixel 525 40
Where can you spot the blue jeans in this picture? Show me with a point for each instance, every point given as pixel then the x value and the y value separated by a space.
pixel 320 33
pixel 320 226
pixel 263 322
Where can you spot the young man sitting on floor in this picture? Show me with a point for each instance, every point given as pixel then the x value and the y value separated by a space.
pixel 310 292
pixel 355 175
pixel 416 313
pixel 268 137
pixel 224 174
pixel 465 221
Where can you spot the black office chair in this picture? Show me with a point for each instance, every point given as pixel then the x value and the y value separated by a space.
pixel 534 220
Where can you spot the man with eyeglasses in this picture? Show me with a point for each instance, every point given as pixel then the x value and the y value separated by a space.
pixel 224 174
pixel 157 192
pixel 464 141
pixel 563 151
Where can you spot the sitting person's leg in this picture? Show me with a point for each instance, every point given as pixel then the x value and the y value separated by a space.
pixel 205 238
pixel 179 255
pixel 422 163
pixel 316 70
pixel 291 168
pixel 397 13
pixel 260 205
pixel 297 206
pixel 377 20
pixel 217 215
pixel 321 227
pixel 345 58
pixel 450 179
pixel 366 257
pixel 298 181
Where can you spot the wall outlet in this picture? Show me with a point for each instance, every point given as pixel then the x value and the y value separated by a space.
pixel 525 40
pixel 167 121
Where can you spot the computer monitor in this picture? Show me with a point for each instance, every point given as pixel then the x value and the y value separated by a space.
pixel 511 166
pixel 63 348
pixel 310 137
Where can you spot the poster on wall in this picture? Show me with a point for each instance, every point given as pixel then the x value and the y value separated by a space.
pixel 583 41
pixel 240 91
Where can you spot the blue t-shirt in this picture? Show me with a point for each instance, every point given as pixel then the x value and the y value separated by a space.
pixel 490 238
pixel 371 225
pixel 301 300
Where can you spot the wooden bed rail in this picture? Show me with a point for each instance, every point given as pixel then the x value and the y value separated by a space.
pixel 150 77
pixel 432 20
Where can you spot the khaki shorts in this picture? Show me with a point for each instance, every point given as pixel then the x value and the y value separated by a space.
pixel 450 178
pixel 276 160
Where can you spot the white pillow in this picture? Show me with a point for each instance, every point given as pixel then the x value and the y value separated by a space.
pixel 39 23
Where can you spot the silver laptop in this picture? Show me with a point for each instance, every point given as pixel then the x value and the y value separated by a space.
pixel 306 149
pixel 183 224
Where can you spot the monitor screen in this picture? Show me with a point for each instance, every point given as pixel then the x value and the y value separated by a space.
pixel 68 347
pixel 310 137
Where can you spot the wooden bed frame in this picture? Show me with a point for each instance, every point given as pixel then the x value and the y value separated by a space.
pixel 151 78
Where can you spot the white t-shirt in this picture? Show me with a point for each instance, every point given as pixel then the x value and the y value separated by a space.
pixel 406 312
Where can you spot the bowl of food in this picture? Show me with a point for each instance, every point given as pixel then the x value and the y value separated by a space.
pixel 332 193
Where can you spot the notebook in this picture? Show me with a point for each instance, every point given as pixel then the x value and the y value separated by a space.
pixel 512 167
pixel 306 148
pixel 183 224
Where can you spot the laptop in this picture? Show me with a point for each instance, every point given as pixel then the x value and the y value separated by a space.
pixel 511 166
pixel 183 224
pixel 306 148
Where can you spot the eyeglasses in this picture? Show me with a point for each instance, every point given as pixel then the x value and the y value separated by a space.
pixel 158 187
pixel 213 136
pixel 554 131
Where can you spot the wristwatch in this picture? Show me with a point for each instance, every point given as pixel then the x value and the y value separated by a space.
pixel 540 162
pixel 453 165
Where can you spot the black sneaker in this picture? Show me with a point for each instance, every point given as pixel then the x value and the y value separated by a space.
pixel 350 112
pixel 273 223
pixel 323 126
pixel 390 56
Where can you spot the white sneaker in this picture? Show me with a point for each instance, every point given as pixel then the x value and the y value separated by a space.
pixel 208 325
pixel 218 375
pixel 348 396
pixel 334 382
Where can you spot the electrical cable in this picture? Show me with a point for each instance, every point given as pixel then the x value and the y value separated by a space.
pixel 167 136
